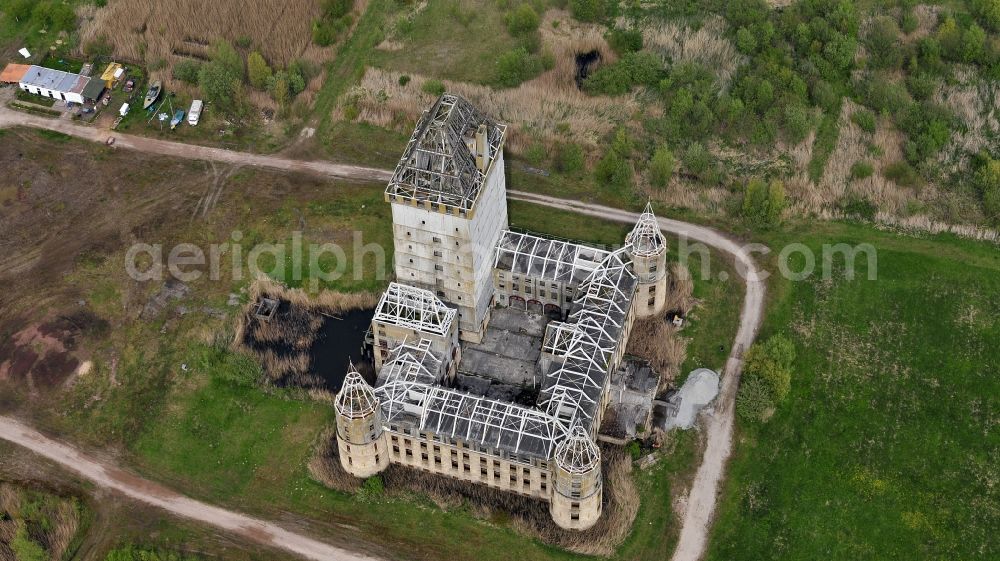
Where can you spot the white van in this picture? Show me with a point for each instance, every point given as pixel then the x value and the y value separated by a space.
pixel 195 112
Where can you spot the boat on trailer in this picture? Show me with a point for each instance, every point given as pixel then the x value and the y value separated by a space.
pixel 152 94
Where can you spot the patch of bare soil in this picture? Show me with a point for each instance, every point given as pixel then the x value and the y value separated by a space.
pixel 45 354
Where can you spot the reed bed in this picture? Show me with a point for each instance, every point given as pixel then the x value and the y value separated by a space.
pixel 656 340
pixel 146 31
pixel 706 45
pixel 549 108
pixel 282 344
pixel 59 521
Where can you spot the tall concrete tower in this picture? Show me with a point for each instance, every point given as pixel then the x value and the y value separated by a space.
pixel 576 496
pixel 647 247
pixel 360 440
pixel 449 207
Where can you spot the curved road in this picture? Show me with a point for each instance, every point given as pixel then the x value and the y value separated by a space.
pixel 705 488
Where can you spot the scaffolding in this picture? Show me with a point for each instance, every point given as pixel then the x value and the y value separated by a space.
pixel 414 308
pixel 438 165
pixel 546 259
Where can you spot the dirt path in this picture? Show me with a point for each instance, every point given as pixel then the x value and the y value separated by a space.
pixel 702 498
pixel 11 118
pixel 150 493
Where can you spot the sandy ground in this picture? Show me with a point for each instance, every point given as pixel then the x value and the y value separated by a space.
pixel 701 502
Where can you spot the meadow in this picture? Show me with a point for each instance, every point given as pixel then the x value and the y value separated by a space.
pixel 887 447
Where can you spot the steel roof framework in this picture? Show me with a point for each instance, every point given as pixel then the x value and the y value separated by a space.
pixel 414 308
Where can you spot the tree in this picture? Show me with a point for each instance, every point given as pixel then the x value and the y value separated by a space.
pixel 279 88
pixel 516 66
pixel 746 41
pixel 187 71
pixel 522 20
pixel 614 168
pixel 763 203
pixel 987 180
pixel 661 167
pixel 258 72
pixel 224 55
pixel 569 158
pixel 883 43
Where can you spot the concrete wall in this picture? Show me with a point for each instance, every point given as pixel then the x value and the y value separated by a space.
pixel 362 445
pixel 387 336
pixel 651 292
pixel 451 254
pixel 577 498
pixel 545 292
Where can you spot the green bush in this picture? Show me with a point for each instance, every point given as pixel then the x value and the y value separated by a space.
pixel 763 203
pixel 634 450
pixel 861 170
pixel 771 362
pixel 988 12
pixel 569 158
pixel 753 400
pixel 433 87
pixel 987 180
pixel 187 71
pixel 746 41
pixel 516 66
pixel 336 9
pixel 372 489
pixel 661 166
pixel 258 71
pixel 522 20
pixel 633 69
pixel 901 173
pixel 25 548
pixel 404 79
pixel 625 41
pixel 697 159
pixel 883 43
pixel 588 10
pixel 614 168
pixel 865 120
pixel 921 86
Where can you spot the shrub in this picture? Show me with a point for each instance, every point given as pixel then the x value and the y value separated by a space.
pixel 634 450
pixel 625 41
pixel 861 170
pixel 909 22
pixel 753 399
pixel 372 489
pixel 797 122
pixel 860 207
pixel 661 166
pixel 987 180
pixel 634 69
pixel 522 20
pixel 588 10
pixel 516 66
pixel 535 154
pixel 224 55
pixel 763 203
pixel 187 71
pixel 901 173
pixel 771 362
pixel 614 168
pixel 258 72
pixel 865 120
pixel 921 86
pixel 883 43
pixel 433 87
pixel 988 12
pixel 697 159
pixel 569 158
pixel 746 41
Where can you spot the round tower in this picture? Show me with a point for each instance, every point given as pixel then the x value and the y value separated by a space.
pixel 648 249
pixel 360 441
pixel 576 496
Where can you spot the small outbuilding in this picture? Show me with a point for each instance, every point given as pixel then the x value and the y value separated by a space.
pixel 112 74
pixel 56 84
pixel 14 73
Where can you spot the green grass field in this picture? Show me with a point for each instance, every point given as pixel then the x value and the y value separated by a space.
pixel 887 447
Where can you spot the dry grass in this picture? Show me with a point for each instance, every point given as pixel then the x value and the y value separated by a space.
pixel 548 108
pixel 58 519
pixel 147 31
pixel 656 340
pixel 976 103
pixel 282 344
pixel 527 516
pixel 706 45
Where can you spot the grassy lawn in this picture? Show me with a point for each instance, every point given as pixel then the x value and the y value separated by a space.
pixel 449 39
pixel 887 447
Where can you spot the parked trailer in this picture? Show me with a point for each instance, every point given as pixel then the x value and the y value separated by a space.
pixel 194 114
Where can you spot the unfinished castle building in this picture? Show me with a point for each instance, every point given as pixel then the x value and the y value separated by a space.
pixel 497 352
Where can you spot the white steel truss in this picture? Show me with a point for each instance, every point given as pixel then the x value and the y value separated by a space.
pixel 437 165
pixel 356 398
pixel 578 453
pixel 646 239
pixel 546 259
pixel 414 308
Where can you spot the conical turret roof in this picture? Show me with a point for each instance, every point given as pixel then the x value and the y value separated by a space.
pixel 646 240
pixel 578 453
pixel 356 398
